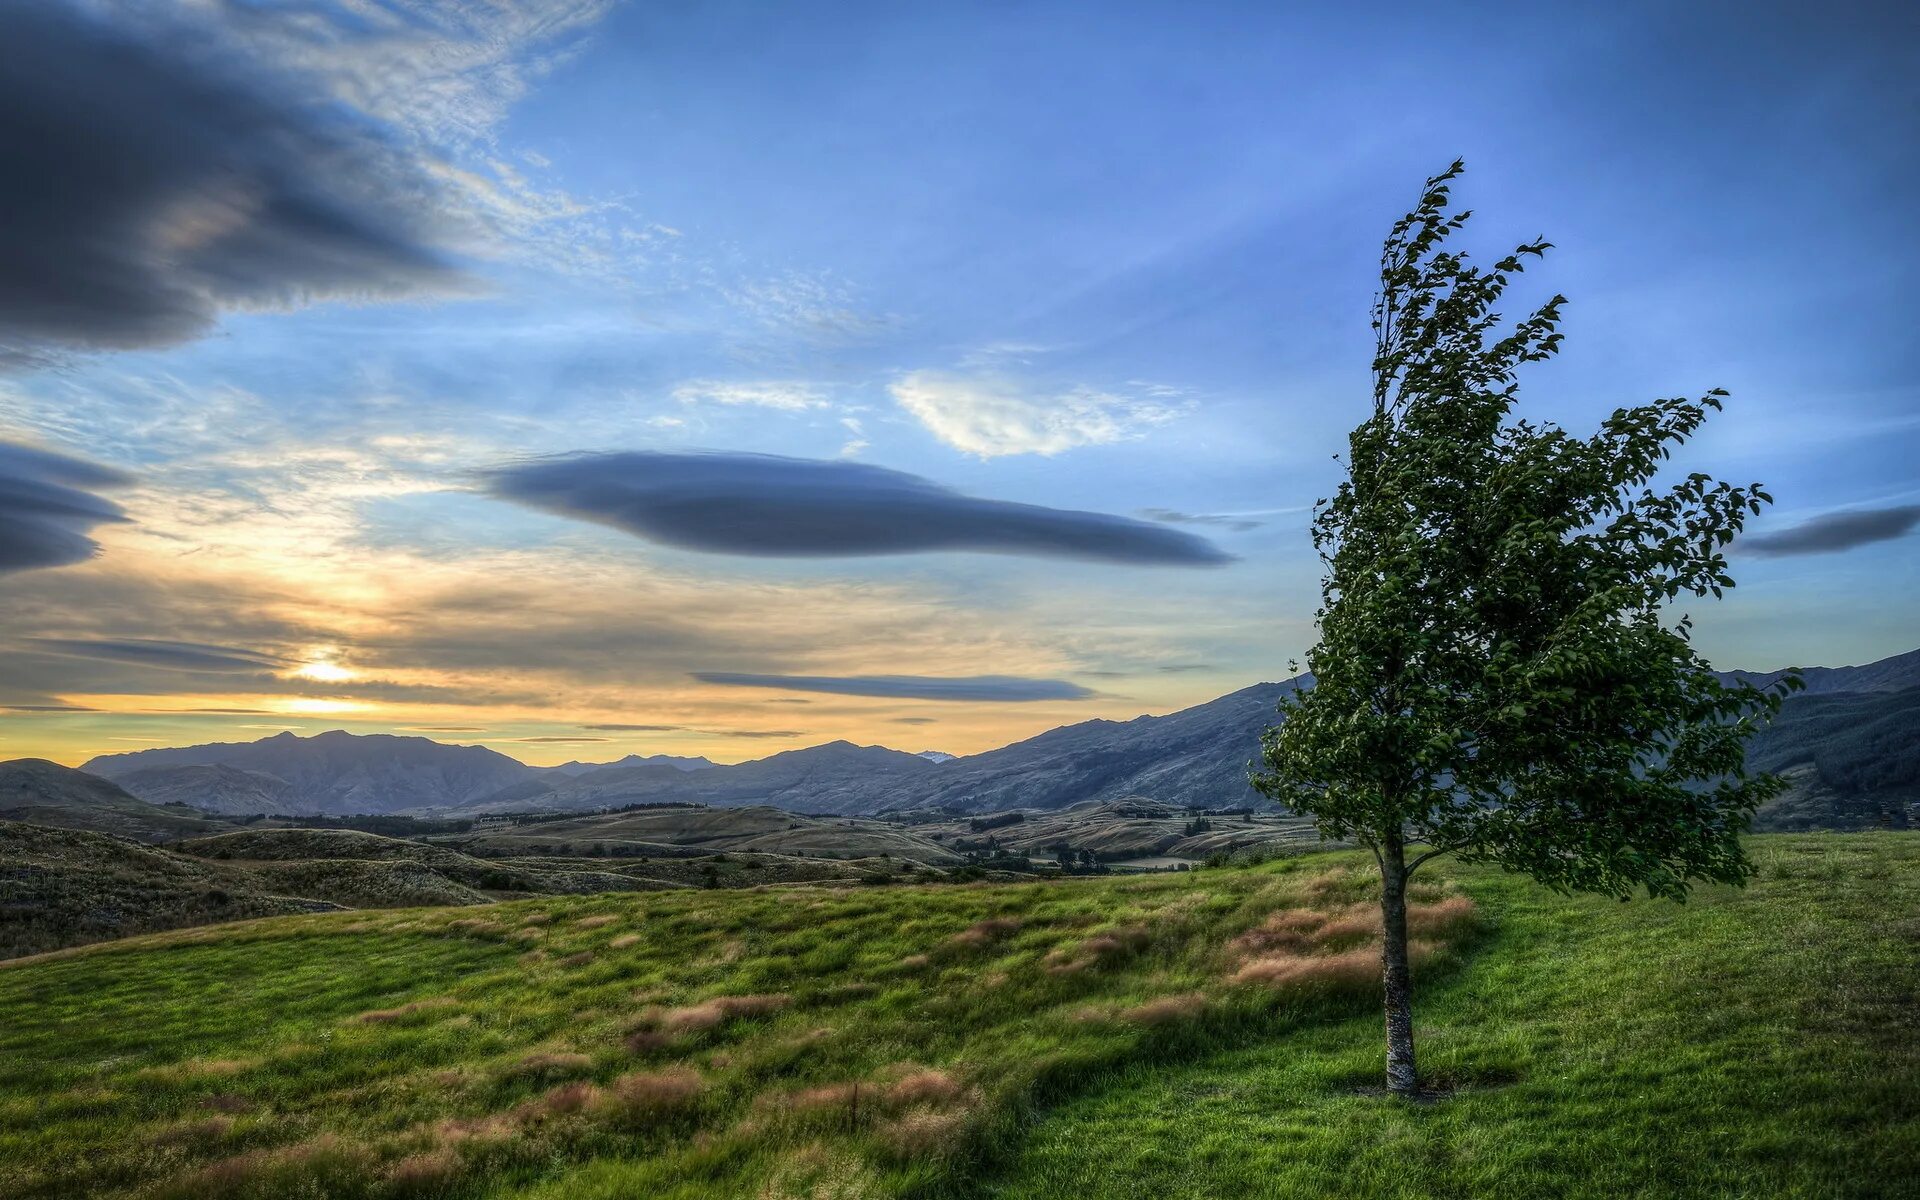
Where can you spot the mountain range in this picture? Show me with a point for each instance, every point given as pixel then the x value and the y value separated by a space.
pixel 1847 744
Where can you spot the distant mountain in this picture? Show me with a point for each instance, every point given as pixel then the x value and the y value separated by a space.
pixel 39 792
pixel 835 777
pixel 213 788
pixel 937 756
pixel 1894 674
pixel 680 762
pixel 1195 757
pixel 1851 759
pixel 339 773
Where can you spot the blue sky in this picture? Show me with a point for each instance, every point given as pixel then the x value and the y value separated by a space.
pixel 1108 260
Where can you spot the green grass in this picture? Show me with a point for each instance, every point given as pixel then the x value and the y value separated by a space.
pixel 1756 1043
pixel 879 1041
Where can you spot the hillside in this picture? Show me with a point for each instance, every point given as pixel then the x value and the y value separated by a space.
pixel 44 793
pixel 66 887
pixel 690 830
pixel 1123 831
pixel 212 788
pixel 1852 760
pixel 1117 1037
pixel 338 773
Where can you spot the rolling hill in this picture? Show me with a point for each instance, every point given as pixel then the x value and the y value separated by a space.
pixel 44 793
pixel 1208 1033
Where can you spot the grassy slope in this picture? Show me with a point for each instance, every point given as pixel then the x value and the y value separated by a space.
pixel 1761 1043
pixel 235 1060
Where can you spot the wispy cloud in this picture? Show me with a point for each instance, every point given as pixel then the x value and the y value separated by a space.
pixel 1837 531
pixel 992 415
pixel 769 506
pixel 165 655
pixel 784 395
pixel 1001 688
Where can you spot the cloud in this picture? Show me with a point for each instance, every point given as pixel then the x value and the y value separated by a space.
pixel 47 506
pixel 990 415
pixel 147 190
pixel 1004 688
pixel 770 506
pixel 1232 521
pixel 789 397
pixel 566 740
pixel 1838 531
pixel 167 656
pixel 619 728
pixel 914 721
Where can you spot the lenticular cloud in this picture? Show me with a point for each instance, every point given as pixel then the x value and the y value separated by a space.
pixel 769 506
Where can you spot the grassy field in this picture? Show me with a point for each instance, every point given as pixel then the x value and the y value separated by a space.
pixel 1199 1034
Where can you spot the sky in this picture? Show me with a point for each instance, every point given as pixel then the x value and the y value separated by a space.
pixel 582 379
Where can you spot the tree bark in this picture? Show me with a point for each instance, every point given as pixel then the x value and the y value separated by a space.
pixel 1401 1077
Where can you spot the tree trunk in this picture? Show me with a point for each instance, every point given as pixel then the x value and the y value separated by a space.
pixel 1401 1079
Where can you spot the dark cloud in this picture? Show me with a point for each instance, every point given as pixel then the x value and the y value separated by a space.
pixel 149 186
pixel 1837 531
pixel 167 656
pixel 1005 688
pixel 47 503
pixel 1237 524
pixel 766 505
pixel 636 728
pixel 46 708
pixel 914 721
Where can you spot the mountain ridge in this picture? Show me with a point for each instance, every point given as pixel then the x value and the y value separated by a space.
pixel 1196 756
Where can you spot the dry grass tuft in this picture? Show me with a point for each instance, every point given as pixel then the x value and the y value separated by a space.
pixel 576 960
pixel 388 1016
pixel 599 922
pixel 497 1127
pixel 206 1129
pixel 710 1014
pixel 1289 929
pixel 536 919
pixel 1356 925
pixel 1356 968
pixel 924 1088
pixel 647 1041
pixel 424 1174
pixel 553 1062
pixel 313 1167
pixel 1447 916
pixel 650 1097
pixel 476 927
pixel 924 1133
pixel 985 933
pixel 569 1098
pixel 623 941
pixel 913 962
pixel 1101 949
pixel 194 1070
pixel 1167 1010
pixel 227 1102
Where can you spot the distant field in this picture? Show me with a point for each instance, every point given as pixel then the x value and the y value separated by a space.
pixel 1194 1034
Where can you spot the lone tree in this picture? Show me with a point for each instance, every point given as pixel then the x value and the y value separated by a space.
pixel 1499 673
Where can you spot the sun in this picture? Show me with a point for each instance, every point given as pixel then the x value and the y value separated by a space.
pixel 323 671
